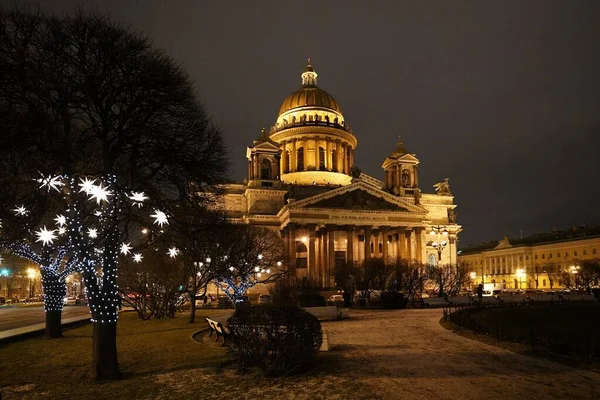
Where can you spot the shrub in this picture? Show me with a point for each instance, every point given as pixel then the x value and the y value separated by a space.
pixel 389 300
pixel 279 340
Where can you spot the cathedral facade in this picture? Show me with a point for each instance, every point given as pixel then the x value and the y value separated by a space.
pixel 303 183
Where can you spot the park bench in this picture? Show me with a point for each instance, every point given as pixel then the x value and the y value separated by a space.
pixel 460 300
pixel 219 329
pixel 434 301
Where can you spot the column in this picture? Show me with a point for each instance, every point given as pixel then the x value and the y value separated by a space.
pixel 384 253
pixel 409 254
pixel 282 159
pixel 293 165
pixel 324 259
pixel 367 231
pixel 397 182
pixel 278 168
pixel 350 244
pixel 327 154
pixel 256 167
pixel 313 154
pixel 338 155
pixel 375 233
pixel 311 252
pixel 416 174
pixel 291 230
pixel 250 176
pixel 419 246
pixel 401 244
pixel 330 253
pixel 351 157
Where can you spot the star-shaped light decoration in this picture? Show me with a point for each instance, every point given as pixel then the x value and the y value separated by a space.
pixel 137 257
pixel 160 218
pixel 60 220
pixel 51 182
pixel 93 233
pixel 126 248
pixel 45 236
pixel 20 211
pixel 98 213
pixel 99 193
pixel 138 198
pixel 173 251
pixel 86 185
pixel 61 230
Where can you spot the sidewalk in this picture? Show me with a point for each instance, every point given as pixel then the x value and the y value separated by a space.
pixel 30 330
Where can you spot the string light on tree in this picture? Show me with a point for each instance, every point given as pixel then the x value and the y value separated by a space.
pixel 20 211
pixel 173 252
pixel 160 218
pixel 45 236
pixel 51 182
pixel 93 233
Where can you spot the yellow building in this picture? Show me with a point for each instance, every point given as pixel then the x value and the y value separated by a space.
pixel 302 182
pixel 533 262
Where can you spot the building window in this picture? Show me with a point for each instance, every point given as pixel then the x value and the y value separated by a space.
pixel 405 178
pixel 527 258
pixel 287 161
pixel 321 159
pixel 432 260
pixel 543 256
pixel 300 159
pixel 575 253
pixel 536 256
pixel 585 252
pixel 334 160
pixel 521 258
pixel 594 251
pixel 558 254
pixel 566 254
pixel 543 282
pixel 265 169
pixel 549 255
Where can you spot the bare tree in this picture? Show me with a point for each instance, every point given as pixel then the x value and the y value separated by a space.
pixel 80 95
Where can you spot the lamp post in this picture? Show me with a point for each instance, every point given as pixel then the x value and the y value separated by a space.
pixel 520 273
pixel 31 275
pixel 574 269
pixel 440 233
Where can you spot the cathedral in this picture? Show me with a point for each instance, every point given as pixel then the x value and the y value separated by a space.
pixel 302 182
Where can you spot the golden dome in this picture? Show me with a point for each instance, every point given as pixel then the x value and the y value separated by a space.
pixel 310 95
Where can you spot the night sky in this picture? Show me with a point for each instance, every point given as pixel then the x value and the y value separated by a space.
pixel 502 97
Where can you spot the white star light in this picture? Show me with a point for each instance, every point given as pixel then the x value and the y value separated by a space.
pixel 138 198
pixel 93 233
pixel 86 185
pixel 45 236
pixel 60 220
pixel 160 218
pixel 61 231
pixel 173 252
pixel 126 248
pixel 99 193
pixel 52 182
pixel 20 210
pixel 137 257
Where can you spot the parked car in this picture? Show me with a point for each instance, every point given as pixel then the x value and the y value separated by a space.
pixel 244 300
pixel 264 299
pixel 223 302
pixel 2 300
pixel 70 301
pixel 336 300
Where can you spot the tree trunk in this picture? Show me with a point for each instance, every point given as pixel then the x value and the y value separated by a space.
pixel 104 352
pixel 192 309
pixel 53 324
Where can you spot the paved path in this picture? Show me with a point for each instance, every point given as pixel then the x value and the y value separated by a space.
pixel 406 354
pixel 18 316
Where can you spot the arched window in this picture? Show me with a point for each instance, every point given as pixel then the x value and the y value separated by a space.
pixel 301 248
pixel 543 283
pixel 334 161
pixel 432 260
pixel 301 255
pixel 517 284
pixel 321 159
pixel 287 161
pixel 405 178
pixel 300 159
pixel 265 169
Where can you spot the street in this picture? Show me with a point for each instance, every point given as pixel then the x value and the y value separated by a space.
pixel 19 316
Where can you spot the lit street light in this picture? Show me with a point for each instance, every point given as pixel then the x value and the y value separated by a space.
pixel 520 273
pixel 442 233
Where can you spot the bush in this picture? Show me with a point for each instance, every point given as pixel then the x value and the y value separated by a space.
pixel 389 300
pixel 279 340
pixel 311 300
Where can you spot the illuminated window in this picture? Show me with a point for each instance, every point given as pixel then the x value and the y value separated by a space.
pixel 405 178
pixel 543 256
pixel 334 160
pixel 287 161
pixel 300 159
pixel 321 159
pixel 558 254
pixel 585 252
pixel 432 260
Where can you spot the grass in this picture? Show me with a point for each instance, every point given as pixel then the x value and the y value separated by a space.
pixel 158 360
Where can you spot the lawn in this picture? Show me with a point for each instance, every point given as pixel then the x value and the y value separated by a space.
pixel 158 360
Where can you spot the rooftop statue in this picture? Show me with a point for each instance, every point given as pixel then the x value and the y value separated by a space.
pixel 443 187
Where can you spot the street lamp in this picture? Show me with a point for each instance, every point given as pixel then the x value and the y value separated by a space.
pixel 31 275
pixel 441 233
pixel 520 273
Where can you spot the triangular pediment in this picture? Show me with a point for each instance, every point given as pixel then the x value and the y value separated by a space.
pixel 359 196
pixel 266 145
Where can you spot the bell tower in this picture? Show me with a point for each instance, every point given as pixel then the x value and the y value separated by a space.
pixel 401 172
pixel 263 161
